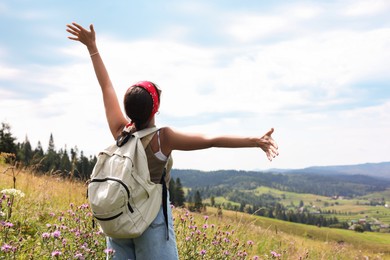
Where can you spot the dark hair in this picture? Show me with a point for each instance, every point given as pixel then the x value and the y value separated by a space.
pixel 138 106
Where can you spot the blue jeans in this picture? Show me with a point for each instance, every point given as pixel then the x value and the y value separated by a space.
pixel 151 245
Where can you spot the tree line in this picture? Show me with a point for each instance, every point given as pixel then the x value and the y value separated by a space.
pixel 72 164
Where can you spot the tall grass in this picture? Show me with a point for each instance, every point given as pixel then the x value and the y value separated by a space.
pixel 53 220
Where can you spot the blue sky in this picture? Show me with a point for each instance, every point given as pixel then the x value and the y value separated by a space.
pixel 316 71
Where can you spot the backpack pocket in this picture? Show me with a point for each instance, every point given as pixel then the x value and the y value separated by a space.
pixel 110 198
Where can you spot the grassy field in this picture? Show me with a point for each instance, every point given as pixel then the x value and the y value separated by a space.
pixel 354 209
pixel 50 204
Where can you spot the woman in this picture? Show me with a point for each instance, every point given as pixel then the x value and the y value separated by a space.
pixel 141 102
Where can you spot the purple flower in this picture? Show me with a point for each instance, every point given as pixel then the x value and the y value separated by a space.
pixel 205 226
pixel 206 217
pixel 6 248
pixel 202 252
pixel 45 235
pixel 274 254
pixel 56 253
pixel 8 224
pixel 255 257
pixel 79 256
pixel 56 234
pixel 109 251
pixel 250 243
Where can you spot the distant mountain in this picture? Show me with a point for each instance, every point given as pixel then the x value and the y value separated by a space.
pixel 322 181
pixel 381 170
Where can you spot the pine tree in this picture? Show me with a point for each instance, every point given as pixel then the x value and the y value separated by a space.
pixel 65 164
pixel 172 192
pixel 198 205
pixel 7 141
pixel 179 193
pixel 52 161
pixel 25 152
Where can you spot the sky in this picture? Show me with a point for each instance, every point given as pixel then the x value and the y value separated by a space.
pixel 315 71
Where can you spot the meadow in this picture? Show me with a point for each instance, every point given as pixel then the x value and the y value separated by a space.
pixel 46 217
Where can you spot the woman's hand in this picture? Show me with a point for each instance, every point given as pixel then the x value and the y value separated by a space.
pixel 268 145
pixel 88 38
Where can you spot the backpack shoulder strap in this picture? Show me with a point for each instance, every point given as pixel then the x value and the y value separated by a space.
pixel 146 135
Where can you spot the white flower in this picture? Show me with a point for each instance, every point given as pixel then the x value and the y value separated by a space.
pixel 13 192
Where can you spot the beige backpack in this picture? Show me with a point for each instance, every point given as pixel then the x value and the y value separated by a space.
pixel 122 197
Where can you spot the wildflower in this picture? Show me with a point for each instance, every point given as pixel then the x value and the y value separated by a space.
pixel 249 243
pixel 274 254
pixel 45 235
pixel 56 253
pixel 255 257
pixel 79 256
pixel 6 248
pixel 206 217
pixel 56 234
pixel 226 252
pixel 84 206
pixel 205 226
pixel 13 192
pixel 8 224
pixel 202 252
pixel 109 251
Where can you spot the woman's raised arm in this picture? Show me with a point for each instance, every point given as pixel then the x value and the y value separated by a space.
pixel 116 119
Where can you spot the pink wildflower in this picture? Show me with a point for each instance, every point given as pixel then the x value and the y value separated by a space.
pixel 109 251
pixel 8 224
pixel 45 235
pixel 56 253
pixel 6 248
pixel 274 254
pixel 56 234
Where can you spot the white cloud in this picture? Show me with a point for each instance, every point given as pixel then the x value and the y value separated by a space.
pixel 7 72
pixel 302 84
pixel 248 27
pixel 367 8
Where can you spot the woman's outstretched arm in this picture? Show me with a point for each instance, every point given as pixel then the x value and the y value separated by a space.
pixel 115 117
pixel 186 142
